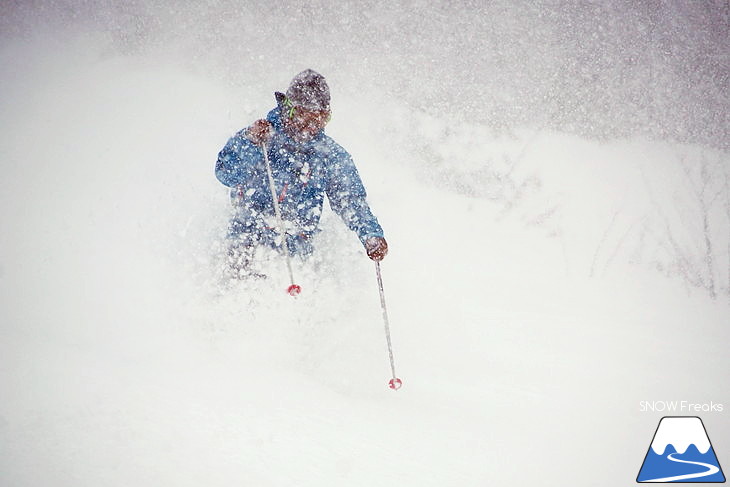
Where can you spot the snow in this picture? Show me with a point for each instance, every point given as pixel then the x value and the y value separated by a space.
pixel 680 432
pixel 527 314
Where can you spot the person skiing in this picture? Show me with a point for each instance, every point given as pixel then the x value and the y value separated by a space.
pixel 306 165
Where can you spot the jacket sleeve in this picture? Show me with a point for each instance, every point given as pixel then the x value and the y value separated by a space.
pixel 347 196
pixel 238 160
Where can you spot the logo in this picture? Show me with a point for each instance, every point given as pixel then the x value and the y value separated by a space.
pixel 681 452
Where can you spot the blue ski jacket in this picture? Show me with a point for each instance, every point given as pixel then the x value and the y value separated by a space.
pixel 303 173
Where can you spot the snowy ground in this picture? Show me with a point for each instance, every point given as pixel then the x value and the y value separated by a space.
pixel 524 337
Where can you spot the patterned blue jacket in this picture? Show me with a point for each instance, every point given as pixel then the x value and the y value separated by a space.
pixel 303 173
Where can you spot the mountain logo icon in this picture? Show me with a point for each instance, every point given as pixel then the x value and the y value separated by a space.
pixel 681 452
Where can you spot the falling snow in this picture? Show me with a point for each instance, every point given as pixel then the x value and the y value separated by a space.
pixel 553 179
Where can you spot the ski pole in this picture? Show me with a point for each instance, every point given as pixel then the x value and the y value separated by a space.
pixel 395 383
pixel 293 289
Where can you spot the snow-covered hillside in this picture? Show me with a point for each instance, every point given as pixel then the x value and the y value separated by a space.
pixel 527 287
pixel 680 433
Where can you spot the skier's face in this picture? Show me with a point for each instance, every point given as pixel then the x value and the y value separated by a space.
pixel 302 125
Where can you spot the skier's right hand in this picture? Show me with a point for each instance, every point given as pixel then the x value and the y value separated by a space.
pixel 260 132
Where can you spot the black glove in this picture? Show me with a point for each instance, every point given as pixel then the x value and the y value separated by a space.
pixel 376 247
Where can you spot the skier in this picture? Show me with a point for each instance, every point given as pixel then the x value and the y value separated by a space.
pixel 306 164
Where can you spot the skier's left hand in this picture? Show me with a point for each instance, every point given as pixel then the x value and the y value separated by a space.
pixel 377 248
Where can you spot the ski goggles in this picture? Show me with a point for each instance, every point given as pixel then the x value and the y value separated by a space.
pixel 316 116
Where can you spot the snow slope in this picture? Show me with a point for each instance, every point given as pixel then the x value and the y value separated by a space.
pixel 681 433
pixel 123 363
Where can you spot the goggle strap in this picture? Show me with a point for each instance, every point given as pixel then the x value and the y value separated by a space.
pixel 291 108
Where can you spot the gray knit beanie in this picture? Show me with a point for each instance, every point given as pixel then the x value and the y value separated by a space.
pixel 309 90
